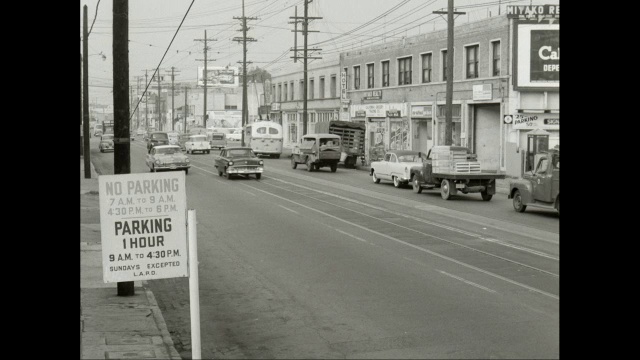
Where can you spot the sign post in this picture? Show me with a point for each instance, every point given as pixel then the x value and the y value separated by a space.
pixel 194 289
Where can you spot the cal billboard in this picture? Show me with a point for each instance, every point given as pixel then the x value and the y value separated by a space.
pixel 219 76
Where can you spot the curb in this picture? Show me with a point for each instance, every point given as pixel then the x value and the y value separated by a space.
pixel 159 319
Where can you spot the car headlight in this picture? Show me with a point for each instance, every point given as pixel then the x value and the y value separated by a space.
pixel 187 160
pixel 261 162
pixel 158 162
pixel 230 163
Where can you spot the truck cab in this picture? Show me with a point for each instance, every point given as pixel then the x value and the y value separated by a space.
pixel 539 187
pixel 317 151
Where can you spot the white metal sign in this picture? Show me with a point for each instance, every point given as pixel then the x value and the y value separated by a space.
pixel 482 92
pixel 143 226
pixel 343 85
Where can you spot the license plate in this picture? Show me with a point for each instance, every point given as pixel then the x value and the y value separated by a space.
pixel 460 186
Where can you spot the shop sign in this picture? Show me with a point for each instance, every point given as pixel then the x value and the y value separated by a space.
pixel 344 115
pixel 535 121
pixel 343 86
pixel 275 106
pixel 393 113
pixel 482 92
pixel 421 111
pixel 361 113
pixel 373 95
pixel 377 110
pixel 533 12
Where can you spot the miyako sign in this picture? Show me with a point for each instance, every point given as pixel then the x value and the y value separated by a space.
pixel 143 226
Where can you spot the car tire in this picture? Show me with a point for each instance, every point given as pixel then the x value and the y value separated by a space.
pixel 153 169
pixel 277 156
pixel 445 189
pixel 396 182
pixel 374 177
pixel 309 166
pixel 208 151
pixel 101 150
pixel 334 167
pixel 416 185
pixel 186 171
pixel 219 172
pixel 227 174
pixel 486 196
pixel 518 205
pixel 294 164
pixel 258 176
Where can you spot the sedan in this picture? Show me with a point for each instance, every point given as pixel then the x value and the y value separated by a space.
pixel 167 157
pixel 238 161
pixel 106 143
pixel 396 166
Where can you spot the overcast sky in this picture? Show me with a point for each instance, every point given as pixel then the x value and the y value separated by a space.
pixel 153 23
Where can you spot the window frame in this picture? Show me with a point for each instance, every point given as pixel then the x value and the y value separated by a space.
pixel 496 69
pixel 371 75
pixel 356 77
pixel 388 63
pixel 402 75
pixel 430 68
pixel 475 63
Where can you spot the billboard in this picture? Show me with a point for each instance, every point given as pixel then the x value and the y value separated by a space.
pixel 537 54
pixel 219 76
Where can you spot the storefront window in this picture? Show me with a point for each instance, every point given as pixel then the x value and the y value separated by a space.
pixel 398 135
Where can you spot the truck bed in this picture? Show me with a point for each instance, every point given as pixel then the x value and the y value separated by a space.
pixel 463 176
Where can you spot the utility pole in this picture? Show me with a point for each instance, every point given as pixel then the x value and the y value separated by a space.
pixel 244 39
pixel 85 92
pixel 204 75
pixel 305 57
pixel 173 114
pixel 138 98
pixel 158 103
pixel 121 134
pixel 146 102
pixel 448 122
pixel 184 122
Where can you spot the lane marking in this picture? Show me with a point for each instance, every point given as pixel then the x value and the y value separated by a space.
pixel 286 208
pixel 353 236
pixel 444 257
pixel 426 234
pixel 467 282
pixel 495 241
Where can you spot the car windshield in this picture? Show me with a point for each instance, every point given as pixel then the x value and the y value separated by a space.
pixel 107 137
pixel 168 151
pixel 329 142
pixel 409 158
pixel 217 136
pixel 239 152
pixel 159 136
pixel 198 138
pixel 308 141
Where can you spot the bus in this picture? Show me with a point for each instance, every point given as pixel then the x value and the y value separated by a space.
pixel 264 137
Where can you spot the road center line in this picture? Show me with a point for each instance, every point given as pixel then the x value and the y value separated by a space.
pixel 468 282
pixel 444 257
pixel 286 208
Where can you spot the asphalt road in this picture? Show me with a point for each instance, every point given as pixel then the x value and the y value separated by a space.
pixel 330 265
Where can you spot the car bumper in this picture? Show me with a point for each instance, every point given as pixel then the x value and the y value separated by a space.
pixel 172 167
pixel 242 170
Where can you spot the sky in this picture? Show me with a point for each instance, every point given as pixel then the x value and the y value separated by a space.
pixel 345 25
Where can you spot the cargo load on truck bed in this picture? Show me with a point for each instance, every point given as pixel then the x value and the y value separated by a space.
pixel 352 135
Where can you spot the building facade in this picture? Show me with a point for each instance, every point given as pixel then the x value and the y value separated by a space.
pixel 398 90
pixel 287 95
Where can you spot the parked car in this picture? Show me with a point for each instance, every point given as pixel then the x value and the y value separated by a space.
pixel 97 130
pixel 182 141
pixel 217 140
pixel 238 161
pixel 106 143
pixel 157 138
pixel 396 166
pixel 174 138
pixel 197 143
pixel 539 187
pixel 167 157
pixel 140 132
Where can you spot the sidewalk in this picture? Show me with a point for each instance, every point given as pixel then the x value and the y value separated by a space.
pixel 111 326
pixel 502 185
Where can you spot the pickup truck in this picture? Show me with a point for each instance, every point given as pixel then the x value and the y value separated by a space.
pixel 453 169
pixel 539 187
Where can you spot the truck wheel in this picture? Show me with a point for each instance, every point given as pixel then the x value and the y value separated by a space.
pixel 258 176
pixel 294 164
pixel 416 185
pixel 375 178
pixel 517 202
pixel 486 196
pixel 396 182
pixel 445 191
pixel 277 156
pixel 208 151
pixel 334 167
pixel 309 165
